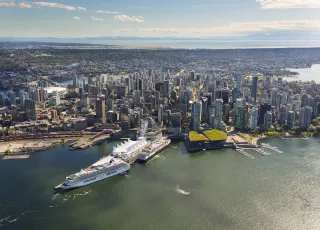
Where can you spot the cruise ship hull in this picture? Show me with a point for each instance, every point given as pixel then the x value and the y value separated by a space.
pixel 145 158
pixel 91 180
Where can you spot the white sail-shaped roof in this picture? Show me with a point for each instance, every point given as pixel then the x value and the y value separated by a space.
pixel 103 161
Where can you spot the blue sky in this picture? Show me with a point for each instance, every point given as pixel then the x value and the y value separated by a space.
pixel 149 18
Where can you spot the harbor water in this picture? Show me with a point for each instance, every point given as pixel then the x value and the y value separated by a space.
pixel 220 189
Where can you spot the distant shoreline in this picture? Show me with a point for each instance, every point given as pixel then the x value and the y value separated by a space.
pixel 127 45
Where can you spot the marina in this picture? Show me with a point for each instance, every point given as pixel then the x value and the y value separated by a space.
pixel 245 153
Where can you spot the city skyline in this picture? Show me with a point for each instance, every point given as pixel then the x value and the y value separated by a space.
pixel 232 18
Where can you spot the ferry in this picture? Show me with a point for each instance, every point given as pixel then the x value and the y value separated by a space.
pixel 104 168
pixel 154 148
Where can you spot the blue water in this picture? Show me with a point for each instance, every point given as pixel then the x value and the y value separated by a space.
pixel 227 191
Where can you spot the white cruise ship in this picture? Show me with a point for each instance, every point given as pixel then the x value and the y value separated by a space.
pixel 156 146
pixel 104 168
pixel 129 151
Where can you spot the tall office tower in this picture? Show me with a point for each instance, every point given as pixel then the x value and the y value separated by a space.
pixel 209 96
pixel 166 88
pixel 196 115
pixel 205 114
pixel 237 85
pixel 274 93
pixel 12 96
pixel 254 88
pixel 192 76
pixel 38 94
pixel 110 104
pixel 268 83
pixel 218 114
pixel 84 83
pixel 14 113
pixel 291 119
pixel 101 110
pixel 289 107
pixel 175 123
pixel 263 110
pixel 238 104
pixel 281 100
pixel 296 106
pixel 226 113
pixel 304 100
pixel 253 118
pixel 290 100
pixel 305 117
pixel 315 109
pixel 225 94
pixel 218 93
pixel 44 94
pixel 136 97
pixel 2 100
pixel 156 95
pixel 238 81
pixel 84 100
pixel 240 118
pixel 184 98
pixel 283 115
pixel 160 113
pixel 246 93
pixel 289 93
pixel 265 95
pixel 211 111
pixel 268 120
pixel 30 108
pixel 75 81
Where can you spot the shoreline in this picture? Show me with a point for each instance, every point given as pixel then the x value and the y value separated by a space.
pixel 23 147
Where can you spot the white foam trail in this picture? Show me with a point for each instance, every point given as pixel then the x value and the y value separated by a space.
pixel 181 191
pixel 175 147
pixel 14 220
pixel 127 176
pixel 81 194
pixel 55 196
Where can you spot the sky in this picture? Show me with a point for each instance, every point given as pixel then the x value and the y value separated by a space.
pixel 158 18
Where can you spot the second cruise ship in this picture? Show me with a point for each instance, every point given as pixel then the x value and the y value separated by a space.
pixel 156 146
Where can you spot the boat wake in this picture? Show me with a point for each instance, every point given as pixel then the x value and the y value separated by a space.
pixel 8 219
pixel 126 176
pixel 181 191
pixel 157 158
pixel 80 194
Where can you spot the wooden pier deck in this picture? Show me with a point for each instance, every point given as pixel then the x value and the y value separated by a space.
pixel 16 157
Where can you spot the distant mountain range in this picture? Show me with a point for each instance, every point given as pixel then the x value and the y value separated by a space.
pixel 256 36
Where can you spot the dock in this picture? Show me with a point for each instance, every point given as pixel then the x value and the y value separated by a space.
pixel 267 146
pixel 245 153
pixel 263 152
pixel 83 144
pixel 16 157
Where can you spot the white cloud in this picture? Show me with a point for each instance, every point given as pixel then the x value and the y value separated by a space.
pixel 25 5
pixel 58 5
pixel 107 12
pixel 7 4
pixel 238 29
pixel 76 18
pixel 126 18
pixel 274 4
pixel 40 4
pixel 81 8
pixel 96 18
